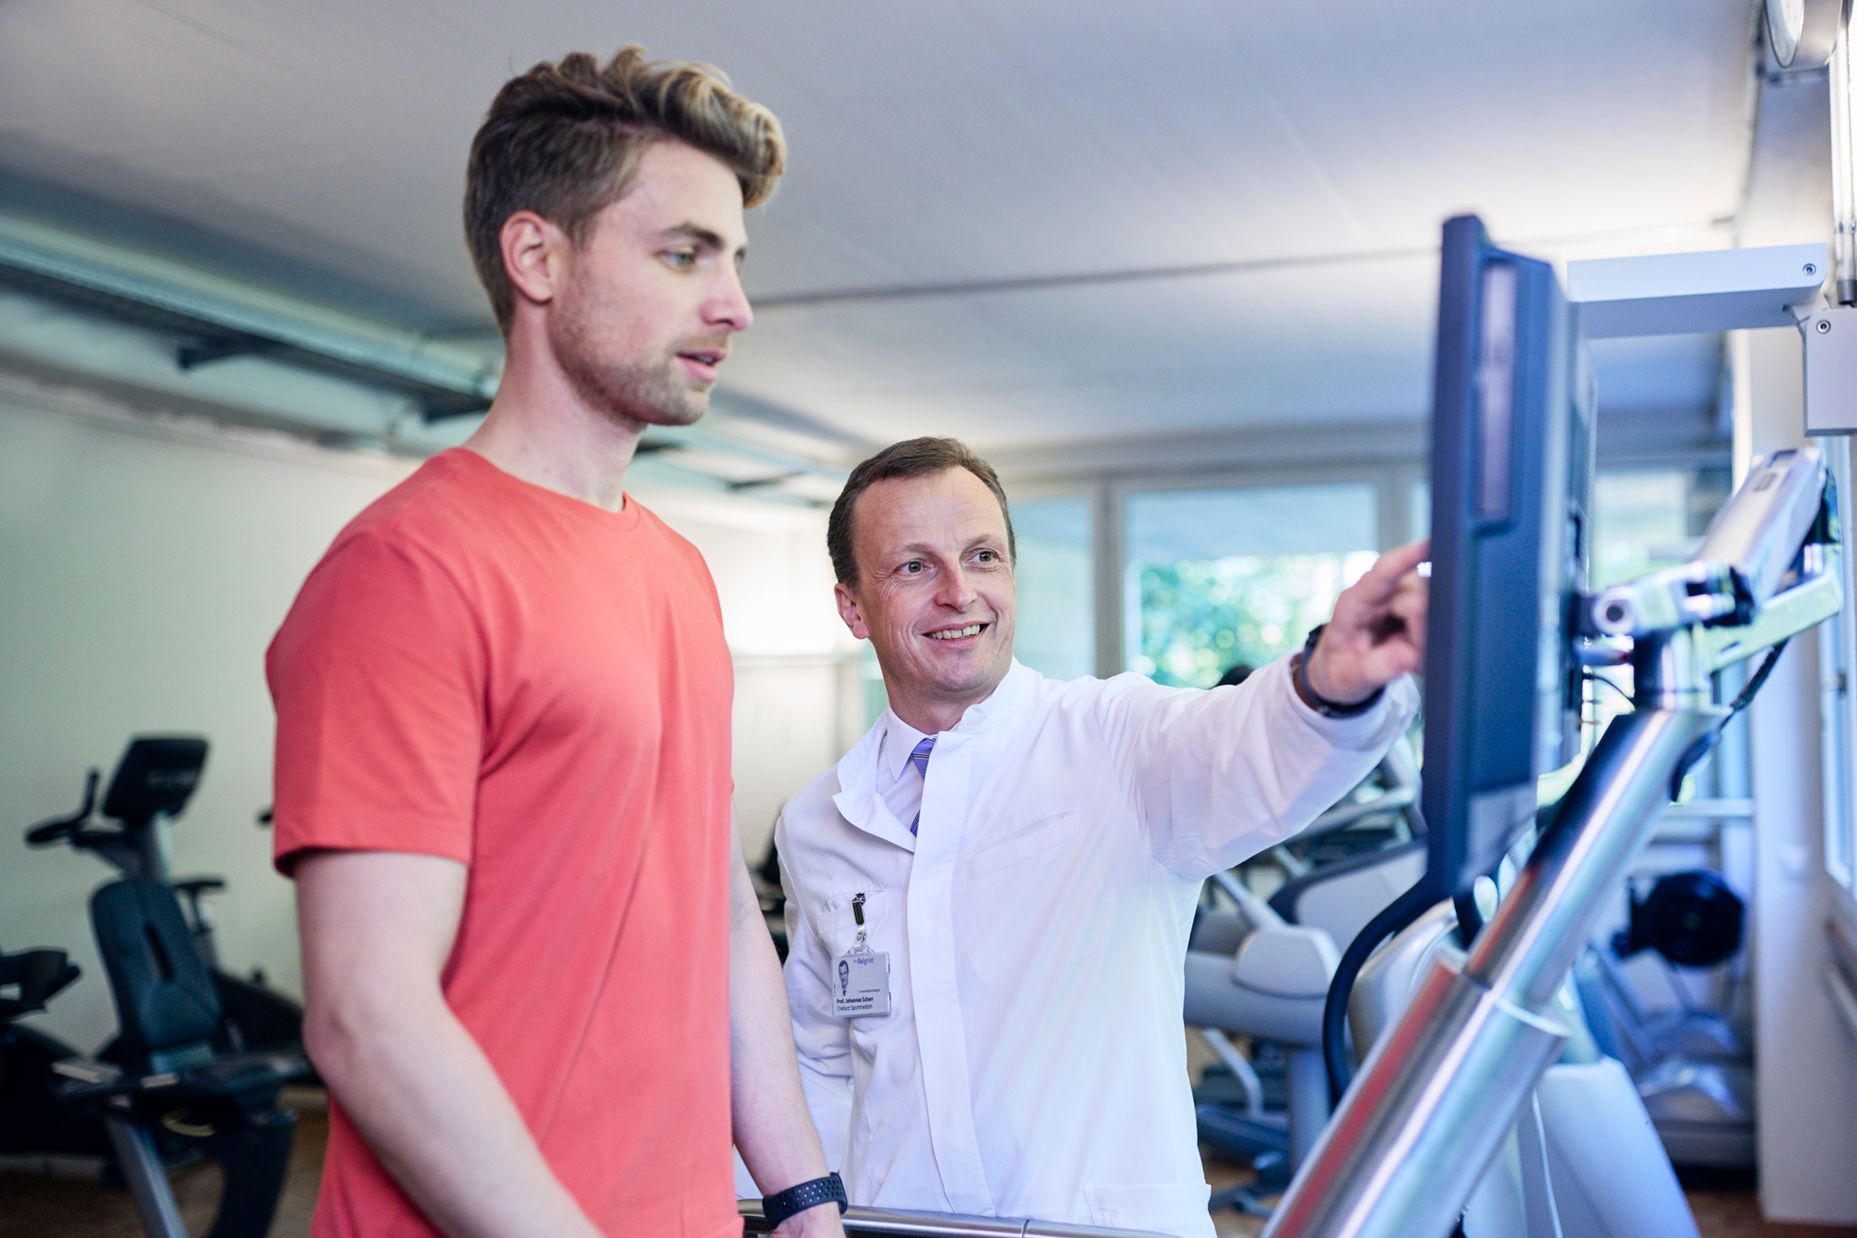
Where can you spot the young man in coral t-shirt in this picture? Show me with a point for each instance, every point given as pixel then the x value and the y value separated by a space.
pixel 538 983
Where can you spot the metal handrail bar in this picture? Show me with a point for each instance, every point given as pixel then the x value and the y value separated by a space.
pixel 900 1223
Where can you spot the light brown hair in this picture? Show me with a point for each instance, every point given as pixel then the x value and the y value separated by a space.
pixel 564 140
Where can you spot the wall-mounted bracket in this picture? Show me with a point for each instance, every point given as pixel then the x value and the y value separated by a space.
pixel 1717 290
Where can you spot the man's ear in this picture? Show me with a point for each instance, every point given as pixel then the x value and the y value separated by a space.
pixel 850 612
pixel 534 256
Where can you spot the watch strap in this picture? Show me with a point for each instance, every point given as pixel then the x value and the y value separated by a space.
pixel 1315 700
pixel 827 1190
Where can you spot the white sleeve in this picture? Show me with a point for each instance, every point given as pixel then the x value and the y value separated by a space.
pixel 822 1040
pixel 1222 774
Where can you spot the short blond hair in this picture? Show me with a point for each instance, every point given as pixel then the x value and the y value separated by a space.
pixel 564 140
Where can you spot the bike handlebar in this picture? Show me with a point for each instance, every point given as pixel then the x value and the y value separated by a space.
pixel 60 828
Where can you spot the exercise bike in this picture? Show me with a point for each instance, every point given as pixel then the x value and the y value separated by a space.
pixel 36 1124
pixel 172 1098
pixel 154 779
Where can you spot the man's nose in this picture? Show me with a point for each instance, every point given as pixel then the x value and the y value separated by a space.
pixel 956 589
pixel 728 302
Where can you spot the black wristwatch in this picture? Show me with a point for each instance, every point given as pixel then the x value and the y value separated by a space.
pixel 827 1190
pixel 1315 700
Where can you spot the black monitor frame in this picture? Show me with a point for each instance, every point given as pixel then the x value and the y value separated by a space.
pixel 1511 495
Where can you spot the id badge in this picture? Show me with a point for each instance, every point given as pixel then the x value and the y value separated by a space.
pixel 861 984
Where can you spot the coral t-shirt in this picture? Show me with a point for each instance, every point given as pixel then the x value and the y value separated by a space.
pixel 490 671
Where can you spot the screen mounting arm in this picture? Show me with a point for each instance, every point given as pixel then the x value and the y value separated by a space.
pixel 1765 569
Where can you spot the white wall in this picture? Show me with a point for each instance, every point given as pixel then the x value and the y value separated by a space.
pixel 144 569
pixel 1806 1075
pixel 144 566
pixel 1806 1078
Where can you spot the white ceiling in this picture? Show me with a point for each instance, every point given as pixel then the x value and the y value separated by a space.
pixel 1026 222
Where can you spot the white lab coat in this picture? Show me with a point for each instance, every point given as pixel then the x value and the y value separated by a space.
pixel 1034 1063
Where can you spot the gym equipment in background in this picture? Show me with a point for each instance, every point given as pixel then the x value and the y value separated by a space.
pixel 37 1125
pixel 1461 1073
pixel 173 1098
pixel 1693 1069
pixel 1261 972
pixel 153 782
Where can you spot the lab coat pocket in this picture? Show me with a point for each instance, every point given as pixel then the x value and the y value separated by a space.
pixel 1178 1208
pixel 836 919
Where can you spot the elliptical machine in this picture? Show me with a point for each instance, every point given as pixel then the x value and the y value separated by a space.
pixel 154 779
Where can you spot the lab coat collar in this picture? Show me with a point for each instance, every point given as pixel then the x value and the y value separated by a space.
pixel 1003 706
pixel 857 799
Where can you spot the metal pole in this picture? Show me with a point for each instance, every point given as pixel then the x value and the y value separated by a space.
pixel 145 1177
pixel 1843 208
pixel 1445 1084
pixel 897 1223
pixel 1544 923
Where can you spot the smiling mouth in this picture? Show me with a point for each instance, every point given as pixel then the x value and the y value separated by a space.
pixel 952 634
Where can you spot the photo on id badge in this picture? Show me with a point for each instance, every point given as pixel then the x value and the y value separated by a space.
pixel 863 984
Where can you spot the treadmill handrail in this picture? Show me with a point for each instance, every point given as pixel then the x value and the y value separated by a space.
pixel 899 1223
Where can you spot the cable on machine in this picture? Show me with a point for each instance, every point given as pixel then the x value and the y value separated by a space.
pixel 1392 918
pixel 1702 747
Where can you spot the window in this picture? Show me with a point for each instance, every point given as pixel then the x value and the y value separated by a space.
pixel 1837 644
pixel 1217 577
pixel 1644 519
pixel 1055 628
pixel 1640 522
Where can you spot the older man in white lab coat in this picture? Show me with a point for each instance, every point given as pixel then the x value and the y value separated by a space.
pixel 989 897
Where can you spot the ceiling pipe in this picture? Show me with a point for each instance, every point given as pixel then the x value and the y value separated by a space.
pixel 213 325
pixel 217 328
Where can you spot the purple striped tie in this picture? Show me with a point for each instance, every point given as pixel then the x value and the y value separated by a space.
pixel 918 757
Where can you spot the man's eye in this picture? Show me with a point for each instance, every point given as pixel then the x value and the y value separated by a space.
pixel 987 556
pixel 680 259
pixel 912 568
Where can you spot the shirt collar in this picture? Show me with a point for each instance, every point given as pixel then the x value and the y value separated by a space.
pixel 899 739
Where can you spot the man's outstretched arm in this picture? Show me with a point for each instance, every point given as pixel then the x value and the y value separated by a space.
pixel 377 928
pixel 773 1130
